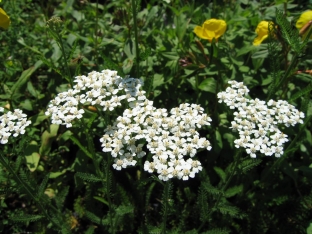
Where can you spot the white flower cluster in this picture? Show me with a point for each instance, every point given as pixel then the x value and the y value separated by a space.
pixel 257 121
pixel 168 138
pixel 103 89
pixel 12 123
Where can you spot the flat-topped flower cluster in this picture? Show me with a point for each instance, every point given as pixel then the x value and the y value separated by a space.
pixel 12 123
pixel 105 89
pixel 169 139
pixel 257 121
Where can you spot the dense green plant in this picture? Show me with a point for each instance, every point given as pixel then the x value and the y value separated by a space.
pixel 67 173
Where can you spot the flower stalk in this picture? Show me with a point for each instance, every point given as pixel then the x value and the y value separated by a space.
pixel 166 198
pixel 136 40
pixel 54 27
pixel 232 172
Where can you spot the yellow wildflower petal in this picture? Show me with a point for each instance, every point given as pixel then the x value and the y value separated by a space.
pixel 4 19
pixel 210 35
pixel 212 28
pixel 216 26
pixel 262 31
pixel 258 40
pixel 200 32
pixel 305 17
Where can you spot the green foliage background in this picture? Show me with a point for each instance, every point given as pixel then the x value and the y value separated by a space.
pixel 50 184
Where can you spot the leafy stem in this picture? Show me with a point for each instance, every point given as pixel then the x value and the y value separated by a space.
pixel 225 186
pixel 54 26
pixel 136 43
pixel 165 202
pixel 99 172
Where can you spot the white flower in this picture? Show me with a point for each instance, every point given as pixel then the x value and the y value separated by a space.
pixel 107 147
pixel 98 88
pixel 257 121
pixel 149 166
pixel 165 173
pixel 12 123
pixel 119 163
pixel 186 172
pixel 168 138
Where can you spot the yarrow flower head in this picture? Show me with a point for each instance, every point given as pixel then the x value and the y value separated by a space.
pixel 12 123
pixel 4 19
pixel 257 122
pixel 212 28
pixel 304 23
pixel 105 90
pixel 262 31
pixel 54 23
pixel 170 139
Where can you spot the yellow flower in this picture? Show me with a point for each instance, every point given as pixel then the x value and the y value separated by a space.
pixel 4 19
pixel 212 28
pixel 304 19
pixel 262 31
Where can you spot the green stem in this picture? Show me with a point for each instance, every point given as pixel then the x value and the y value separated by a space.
pixel 227 183
pixel 69 78
pixel 92 151
pixel 232 173
pixel 99 172
pixel 293 63
pixel 108 194
pixel 166 198
pixel 285 76
pixel 96 29
pixel 196 84
pixel 134 16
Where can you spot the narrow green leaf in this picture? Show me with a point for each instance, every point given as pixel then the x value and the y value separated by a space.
pixel 54 175
pixel 47 138
pixel 26 218
pixel 43 185
pixel 220 173
pixel 38 119
pixel 77 142
pixel 88 177
pixel 101 199
pixel 32 156
pixel 208 85
pixel 212 190
pixel 31 89
pixel 302 92
pixel 230 192
pixel 16 89
pixel 129 49
pixel 94 218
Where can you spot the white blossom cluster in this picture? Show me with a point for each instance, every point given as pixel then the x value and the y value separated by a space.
pixel 257 121
pixel 169 139
pixel 103 89
pixel 12 123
